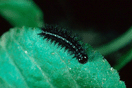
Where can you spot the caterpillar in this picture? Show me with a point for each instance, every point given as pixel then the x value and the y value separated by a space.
pixel 65 39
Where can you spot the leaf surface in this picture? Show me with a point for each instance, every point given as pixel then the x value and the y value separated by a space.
pixel 29 61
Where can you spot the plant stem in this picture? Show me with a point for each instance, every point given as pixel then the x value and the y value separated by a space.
pixel 123 60
pixel 116 44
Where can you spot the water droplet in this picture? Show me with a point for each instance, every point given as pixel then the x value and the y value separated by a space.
pixel 25 52
pixel 69 68
pixel 111 68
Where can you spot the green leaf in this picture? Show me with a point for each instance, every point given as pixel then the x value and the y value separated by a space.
pixel 21 13
pixel 29 61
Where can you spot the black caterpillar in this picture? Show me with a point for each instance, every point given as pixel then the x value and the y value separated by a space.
pixel 65 39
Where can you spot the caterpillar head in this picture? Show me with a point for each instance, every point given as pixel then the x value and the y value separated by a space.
pixel 83 58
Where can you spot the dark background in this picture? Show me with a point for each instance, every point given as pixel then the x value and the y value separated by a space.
pixel 98 22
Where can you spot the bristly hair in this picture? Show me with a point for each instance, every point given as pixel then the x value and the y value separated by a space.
pixel 65 39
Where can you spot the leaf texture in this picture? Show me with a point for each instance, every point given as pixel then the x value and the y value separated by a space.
pixel 29 61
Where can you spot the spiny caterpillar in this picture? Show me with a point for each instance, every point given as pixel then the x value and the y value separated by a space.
pixel 65 39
